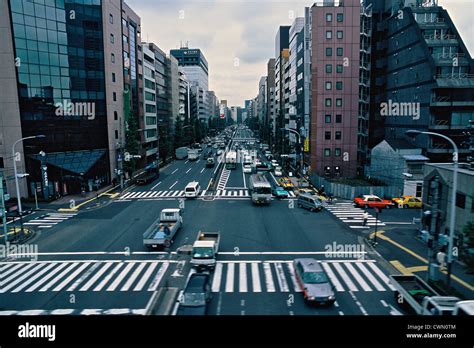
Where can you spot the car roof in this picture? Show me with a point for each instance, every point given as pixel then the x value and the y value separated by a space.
pixel 197 281
pixel 370 196
pixel 310 265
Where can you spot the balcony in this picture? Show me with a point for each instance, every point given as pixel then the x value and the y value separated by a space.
pixel 438 23
pixel 441 39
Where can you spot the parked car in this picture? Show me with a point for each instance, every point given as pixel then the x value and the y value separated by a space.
pixel 408 202
pixel 247 168
pixel 279 192
pixel 286 183
pixel 313 280
pixel 310 202
pixel 371 201
pixel 196 295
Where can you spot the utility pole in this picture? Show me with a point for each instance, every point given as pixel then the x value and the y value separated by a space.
pixel 4 211
pixel 433 237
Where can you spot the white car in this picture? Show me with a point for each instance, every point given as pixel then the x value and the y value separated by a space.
pixel 219 152
pixel 275 163
pixel 247 168
pixel 278 172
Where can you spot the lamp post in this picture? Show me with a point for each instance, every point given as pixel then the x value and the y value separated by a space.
pixel 414 133
pixel 301 146
pixel 15 170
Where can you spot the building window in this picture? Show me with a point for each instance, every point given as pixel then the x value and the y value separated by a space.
pixel 340 17
pixel 339 68
pixel 114 95
pixel 113 77
pixel 339 51
pixel 115 115
pixel 337 152
pixel 328 34
pixel 328 68
pixel 338 135
pixel 328 102
pixel 460 200
pixel 124 22
pixel 339 102
pixel 327 135
pixel 328 17
pixel 339 34
pixel 338 118
pixel 112 58
pixel 328 51
pixel 116 134
pixel 112 38
pixel 328 118
pixel 419 190
pixel 339 85
pixel 328 85
pixel 327 152
pixel 111 18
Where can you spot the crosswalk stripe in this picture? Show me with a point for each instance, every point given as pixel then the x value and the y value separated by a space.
pixel 155 194
pixel 45 279
pixel 281 277
pixel 145 277
pixel 120 277
pixel 241 192
pixel 268 277
pixel 369 276
pixel 219 192
pixel 108 277
pixel 4 289
pixel 83 277
pixel 59 276
pixel 16 274
pixel 33 278
pixel 12 269
pixel 159 275
pixel 224 192
pixel 257 287
pixel 149 193
pixel 243 277
pixel 132 278
pixel 140 195
pixel 291 269
pixel 72 276
pixel 359 279
pixel 126 195
pixel 175 193
pixel 96 276
pixel 381 275
pixel 229 282
pixel 134 195
pixel 332 276
pixel 216 281
pixel 345 277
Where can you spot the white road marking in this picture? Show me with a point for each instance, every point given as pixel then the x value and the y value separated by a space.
pixel 188 170
pixel 268 277
pixel 108 277
pixel 202 170
pixel 359 279
pixel 174 171
pixel 242 277
pixel 33 278
pixel 145 277
pixel 333 277
pixel 84 277
pixel 45 279
pixel 71 277
pixel 381 275
pixel 4 289
pixel 281 278
pixel 132 278
pixel 59 276
pixel 173 184
pixel 291 269
pixel 161 272
pixel 372 279
pixel 155 186
pixel 229 285
pixel 345 277
pixel 120 277
pixel 257 287
pixel 216 281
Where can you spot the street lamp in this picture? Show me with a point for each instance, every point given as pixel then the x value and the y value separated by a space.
pixel 301 146
pixel 414 133
pixel 15 171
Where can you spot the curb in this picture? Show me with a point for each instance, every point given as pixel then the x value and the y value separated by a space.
pixel 166 298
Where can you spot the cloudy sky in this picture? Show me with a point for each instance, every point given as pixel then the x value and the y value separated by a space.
pixel 238 36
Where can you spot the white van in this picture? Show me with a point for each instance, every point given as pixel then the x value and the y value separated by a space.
pixel 192 189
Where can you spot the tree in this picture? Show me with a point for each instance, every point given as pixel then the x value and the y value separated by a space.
pixel 468 247
pixel 132 143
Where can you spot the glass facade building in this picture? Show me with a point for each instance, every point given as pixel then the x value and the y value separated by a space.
pixel 61 85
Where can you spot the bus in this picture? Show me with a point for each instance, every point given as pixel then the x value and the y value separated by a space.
pixel 231 160
pixel 260 189
pixel 149 173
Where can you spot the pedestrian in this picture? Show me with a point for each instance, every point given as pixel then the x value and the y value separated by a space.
pixel 366 217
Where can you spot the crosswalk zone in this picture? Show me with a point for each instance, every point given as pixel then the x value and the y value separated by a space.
pixel 229 276
pixel 352 216
pixel 219 194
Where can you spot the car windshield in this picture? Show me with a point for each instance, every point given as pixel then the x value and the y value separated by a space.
pixel 194 299
pixel 315 278
pixel 262 190
pixel 203 252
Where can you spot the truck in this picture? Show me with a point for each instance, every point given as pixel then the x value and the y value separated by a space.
pixel 161 233
pixel 231 160
pixel 181 152
pixel 412 291
pixel 193 154
pixel 205 250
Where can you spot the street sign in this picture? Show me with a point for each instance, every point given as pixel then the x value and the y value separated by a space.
pixel 306 145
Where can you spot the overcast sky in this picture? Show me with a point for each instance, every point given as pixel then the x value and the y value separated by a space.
pixel 242 33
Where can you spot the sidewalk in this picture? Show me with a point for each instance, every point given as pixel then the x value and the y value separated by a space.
pixel 412 257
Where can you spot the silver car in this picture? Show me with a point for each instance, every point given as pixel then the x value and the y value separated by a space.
pixel 313 280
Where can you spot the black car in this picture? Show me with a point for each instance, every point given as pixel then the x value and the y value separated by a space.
pixel 196 295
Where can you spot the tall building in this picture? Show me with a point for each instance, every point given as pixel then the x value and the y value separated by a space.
pixel 173 78
pixel 282 56
pixel 334 87
pixel 422 78
pixel 57 74
pixel 270 121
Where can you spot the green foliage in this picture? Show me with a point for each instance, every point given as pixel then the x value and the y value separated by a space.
pixel 132 143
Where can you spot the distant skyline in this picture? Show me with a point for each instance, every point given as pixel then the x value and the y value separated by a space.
pixel 237 36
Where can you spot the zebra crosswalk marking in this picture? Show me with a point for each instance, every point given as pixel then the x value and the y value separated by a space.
pixel 120 277
pixel 333 277
pixel 281 278
pixel 296 285
pixel 145 277
pixel 216 282
pixel 33 278
pixel 159 275
pixel 257 287
pixel 134 276
pixel 72 276
pixel 359 279
pixel 268 277
pixel 345 277
pixel 96 277
pixel 18 280
pixel 58 277
pixel 366 272
pixel 243 277
pixel 45 279
pixel 229 287
pixel 108 277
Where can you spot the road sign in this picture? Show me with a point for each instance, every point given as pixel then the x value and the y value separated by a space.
pixel 306 145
